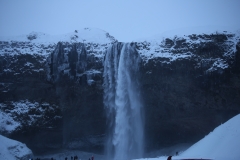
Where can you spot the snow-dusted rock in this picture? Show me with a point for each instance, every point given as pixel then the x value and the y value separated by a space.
pixel 17 115
pixel 11 149
pixel 214 50
pixel 7 123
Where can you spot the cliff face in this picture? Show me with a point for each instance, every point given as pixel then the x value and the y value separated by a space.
pixel 77 77
pixel 51 93
pixel 186 97
pixel 190 84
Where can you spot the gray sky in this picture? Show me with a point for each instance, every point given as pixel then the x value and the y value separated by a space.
pixel 124 19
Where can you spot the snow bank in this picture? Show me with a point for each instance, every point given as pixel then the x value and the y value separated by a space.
pixel 222 143
pixel 11 149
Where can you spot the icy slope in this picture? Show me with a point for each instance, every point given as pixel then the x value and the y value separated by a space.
pixel 11 149
pixel 221 144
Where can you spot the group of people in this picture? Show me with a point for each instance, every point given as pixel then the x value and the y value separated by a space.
pixel 66 158
pixel 76 158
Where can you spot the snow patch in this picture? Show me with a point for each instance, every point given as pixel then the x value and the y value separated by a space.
pixel 7 123
pixel 14 115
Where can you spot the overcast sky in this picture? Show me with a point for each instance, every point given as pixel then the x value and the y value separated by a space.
pixel 124 19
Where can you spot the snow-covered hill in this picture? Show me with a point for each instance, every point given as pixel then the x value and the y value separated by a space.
pixel 221 144
pixel 43 44
pixel 11 149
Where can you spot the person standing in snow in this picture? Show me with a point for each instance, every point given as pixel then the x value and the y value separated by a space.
pixel 92 158
pixel 169 158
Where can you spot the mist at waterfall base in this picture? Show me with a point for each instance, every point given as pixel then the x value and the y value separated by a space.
pixel 123 103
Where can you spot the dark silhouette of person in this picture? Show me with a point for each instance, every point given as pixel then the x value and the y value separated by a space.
pixel 66 158
pixel 169 158
pixel 176 153
pixel 92 158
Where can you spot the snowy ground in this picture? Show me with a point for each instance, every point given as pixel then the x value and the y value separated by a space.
pixel 222 143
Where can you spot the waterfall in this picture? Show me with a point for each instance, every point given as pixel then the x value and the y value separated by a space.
pixel 122 102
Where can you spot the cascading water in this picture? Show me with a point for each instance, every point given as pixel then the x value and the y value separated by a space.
pixel 122 102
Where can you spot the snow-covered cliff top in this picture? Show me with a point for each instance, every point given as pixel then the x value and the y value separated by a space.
pixel 170 45
pixel 156 46
pixel 86 35
pixel 43 44
pixel 211 46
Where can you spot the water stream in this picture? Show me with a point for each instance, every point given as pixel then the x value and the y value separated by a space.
pixel 123 103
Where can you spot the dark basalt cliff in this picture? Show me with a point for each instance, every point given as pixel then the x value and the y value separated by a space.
pixel 77 77
pixel 185 95
pixel 188 98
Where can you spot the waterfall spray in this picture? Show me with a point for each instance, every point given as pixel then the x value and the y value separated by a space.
pixel 122 102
